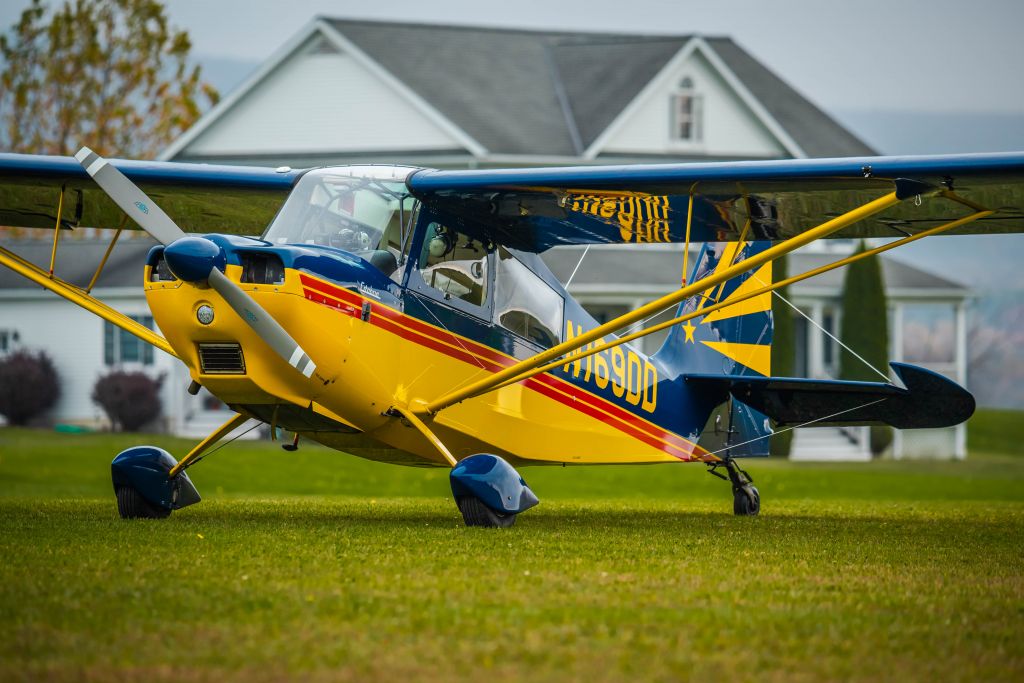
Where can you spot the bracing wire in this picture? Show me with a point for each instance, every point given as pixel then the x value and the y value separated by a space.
pixel 831 336
pixel 455 337
pixel 256 423
pixel 578 264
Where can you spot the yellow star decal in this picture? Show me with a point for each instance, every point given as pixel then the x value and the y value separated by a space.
pixel 688 328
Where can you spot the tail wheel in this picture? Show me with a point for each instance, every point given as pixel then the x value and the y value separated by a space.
pixel 475 513
pixel 131 505
pixel 746 501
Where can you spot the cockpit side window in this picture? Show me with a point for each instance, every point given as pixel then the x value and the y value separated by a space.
pixel 524 304
pixel 454 265
pixel 397 237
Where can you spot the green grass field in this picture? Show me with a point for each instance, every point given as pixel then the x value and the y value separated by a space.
pixel 318 566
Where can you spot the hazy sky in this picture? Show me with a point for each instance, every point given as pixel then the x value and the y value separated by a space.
pixel 939 55
pixel 959 55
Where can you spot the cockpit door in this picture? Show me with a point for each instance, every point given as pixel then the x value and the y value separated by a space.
pixel 452 268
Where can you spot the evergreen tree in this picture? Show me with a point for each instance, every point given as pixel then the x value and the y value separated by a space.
pixel 783 347
pixel 864 328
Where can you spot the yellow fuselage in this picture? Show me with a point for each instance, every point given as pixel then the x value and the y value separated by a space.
pixel 365 367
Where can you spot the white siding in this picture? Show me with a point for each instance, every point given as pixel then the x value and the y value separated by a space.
pixel 319 102
pixel 928 444
pixel 73 338
pixel 729 127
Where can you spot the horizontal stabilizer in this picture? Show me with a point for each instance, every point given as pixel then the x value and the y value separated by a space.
pixel 929 400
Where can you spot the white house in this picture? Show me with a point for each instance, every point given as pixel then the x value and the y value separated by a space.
pixel 456 96
pixel 345 91
pixel 83 346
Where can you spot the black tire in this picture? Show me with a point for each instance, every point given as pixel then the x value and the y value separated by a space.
pixel 746 501
pixel 475 513
pixel 132 505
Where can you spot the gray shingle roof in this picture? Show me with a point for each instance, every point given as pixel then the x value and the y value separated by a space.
pixel 495 85
pixel 814 130
pixel 597 87
pixel 501 86
pixel 77 261
pixel 896 273
pixel 661 267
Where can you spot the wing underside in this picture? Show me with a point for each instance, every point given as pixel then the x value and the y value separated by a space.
pixel 535 209
pixel 200 197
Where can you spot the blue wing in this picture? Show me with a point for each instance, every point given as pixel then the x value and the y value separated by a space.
pixel 535 209
pixel 199 197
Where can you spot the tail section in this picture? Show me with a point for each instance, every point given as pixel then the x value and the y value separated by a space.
pixel 734 340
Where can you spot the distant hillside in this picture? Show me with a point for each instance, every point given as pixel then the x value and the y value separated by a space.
pixel 995 339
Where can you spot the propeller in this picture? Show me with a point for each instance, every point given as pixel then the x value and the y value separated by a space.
pixel 197 258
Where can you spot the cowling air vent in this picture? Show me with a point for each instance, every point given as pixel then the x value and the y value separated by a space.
pixel 160 272
pixel 221 359
pixel 261 269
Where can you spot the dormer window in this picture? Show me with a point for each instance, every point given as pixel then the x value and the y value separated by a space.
pixel 687 113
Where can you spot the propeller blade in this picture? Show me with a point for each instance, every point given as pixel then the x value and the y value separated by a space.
pixel 258 319
pixel 151 218
pixel 129 197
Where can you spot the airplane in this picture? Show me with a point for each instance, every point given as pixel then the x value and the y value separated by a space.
pixel 404 315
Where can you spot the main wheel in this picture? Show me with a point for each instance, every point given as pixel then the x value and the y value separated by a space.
pixel 746 501
pixel 475 513
pixel 132 505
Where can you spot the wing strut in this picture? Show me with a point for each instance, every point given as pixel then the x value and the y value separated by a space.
pixel 204 445
pixel 583 353
pixel 427 433
pixel 82 298
pixel 904 190
pixel 106 255
pixel 56 230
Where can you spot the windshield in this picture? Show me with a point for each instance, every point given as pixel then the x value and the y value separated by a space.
pixel 356 208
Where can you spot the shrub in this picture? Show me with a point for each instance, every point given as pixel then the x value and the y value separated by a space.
pixel 130 399
pixel 28 386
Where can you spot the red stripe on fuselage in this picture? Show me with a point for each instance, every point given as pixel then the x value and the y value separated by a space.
pixel 468 351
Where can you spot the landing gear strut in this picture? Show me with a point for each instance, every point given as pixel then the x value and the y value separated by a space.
pixel 745 498
pixel 150 483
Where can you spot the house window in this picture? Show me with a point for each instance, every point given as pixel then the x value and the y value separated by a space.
pixel 687 111
pixel 828 322
pixel 7 341
pixel 120 346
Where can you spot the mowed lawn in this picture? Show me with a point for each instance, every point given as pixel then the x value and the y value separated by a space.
pixel 319 566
